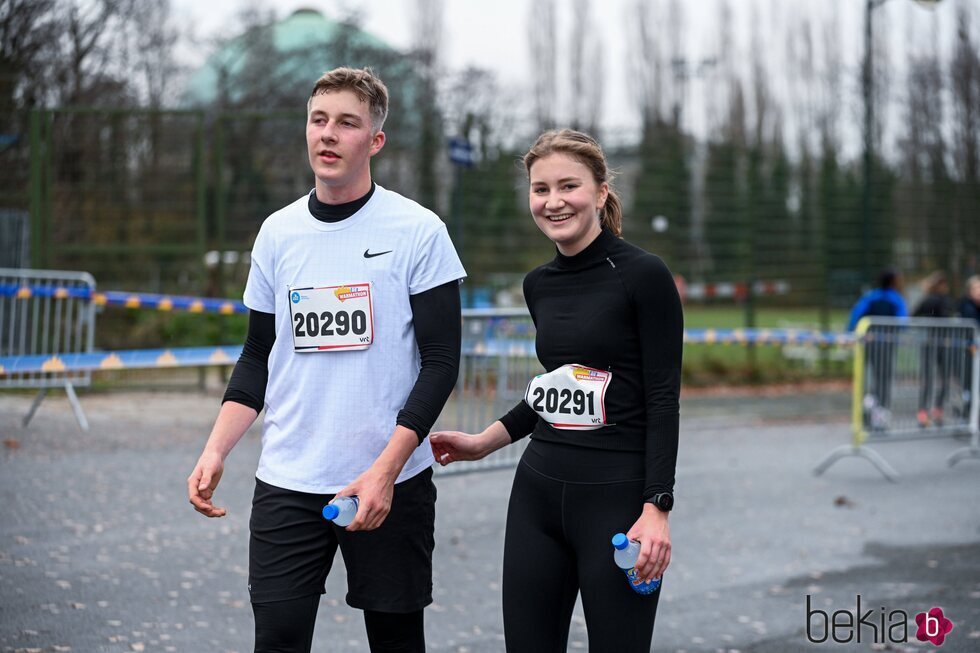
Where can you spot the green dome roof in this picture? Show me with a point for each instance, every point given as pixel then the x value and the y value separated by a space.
pixel 304 32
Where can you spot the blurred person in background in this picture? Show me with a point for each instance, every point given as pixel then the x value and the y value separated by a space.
pixel 885 300
pixel 969 307
pixel 934 358
pixel 603 420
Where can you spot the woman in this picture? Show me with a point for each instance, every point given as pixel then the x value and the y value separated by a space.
pixel 935 303
pixel 603 420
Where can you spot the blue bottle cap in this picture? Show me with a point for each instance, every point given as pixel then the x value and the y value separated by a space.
pixel 330 511
pixel 619 540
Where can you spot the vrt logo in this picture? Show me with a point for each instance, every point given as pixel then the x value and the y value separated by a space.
pixel 884 626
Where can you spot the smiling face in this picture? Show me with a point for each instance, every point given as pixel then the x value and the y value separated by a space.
pixel 565 201
pixel 340 141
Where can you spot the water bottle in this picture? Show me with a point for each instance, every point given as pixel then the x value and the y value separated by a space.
pixel 625 554
pixel 341 510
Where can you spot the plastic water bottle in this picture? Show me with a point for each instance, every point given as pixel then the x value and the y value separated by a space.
pixel 625 553
pixel 341 510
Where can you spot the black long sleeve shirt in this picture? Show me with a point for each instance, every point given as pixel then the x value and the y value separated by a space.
pixel 613 307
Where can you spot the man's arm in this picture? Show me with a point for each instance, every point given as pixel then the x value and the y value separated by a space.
pixel 438 333
pixel 233 421
pixel 243 400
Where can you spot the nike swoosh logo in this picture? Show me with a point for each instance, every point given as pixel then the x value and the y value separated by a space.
pixel 368 254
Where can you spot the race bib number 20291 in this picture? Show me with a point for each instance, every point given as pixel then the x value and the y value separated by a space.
pixel 331 318
pixel 570 397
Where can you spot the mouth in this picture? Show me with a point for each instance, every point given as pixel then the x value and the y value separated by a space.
pixel 328 155
pixel 559 217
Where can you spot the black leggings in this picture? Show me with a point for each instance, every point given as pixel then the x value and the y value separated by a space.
pixel 557 545
pixel 287 627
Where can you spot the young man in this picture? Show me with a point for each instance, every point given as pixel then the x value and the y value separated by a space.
pixel 353 348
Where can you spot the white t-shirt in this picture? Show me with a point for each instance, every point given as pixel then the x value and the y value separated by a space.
pixel 329 413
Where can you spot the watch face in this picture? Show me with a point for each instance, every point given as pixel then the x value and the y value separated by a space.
pixel 665 501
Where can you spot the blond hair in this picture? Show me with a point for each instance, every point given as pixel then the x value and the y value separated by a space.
pixel 586 150
pixel 361 82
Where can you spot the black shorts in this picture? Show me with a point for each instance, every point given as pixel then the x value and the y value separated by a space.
pixel 389 569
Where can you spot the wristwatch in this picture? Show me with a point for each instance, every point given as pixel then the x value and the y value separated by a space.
pixel 663 501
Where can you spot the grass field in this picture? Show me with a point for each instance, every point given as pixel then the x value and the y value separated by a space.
pixel 706 365
pixel 731 317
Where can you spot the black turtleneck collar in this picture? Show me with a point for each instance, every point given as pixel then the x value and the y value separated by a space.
pixel 337 212
pixel 594 252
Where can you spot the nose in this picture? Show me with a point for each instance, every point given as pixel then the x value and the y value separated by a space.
pixel 328 135
pixel 553 202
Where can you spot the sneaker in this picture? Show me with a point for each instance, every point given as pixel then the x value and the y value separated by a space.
pixel 937 416
pixel 923 418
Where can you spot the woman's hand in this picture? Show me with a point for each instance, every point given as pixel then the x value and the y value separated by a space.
pixel 653 533
pixel 451 446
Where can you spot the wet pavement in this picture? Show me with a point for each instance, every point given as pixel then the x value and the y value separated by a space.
pixel 99 550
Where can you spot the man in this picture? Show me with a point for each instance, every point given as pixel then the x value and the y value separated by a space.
pixel 881 347
pixel 353 348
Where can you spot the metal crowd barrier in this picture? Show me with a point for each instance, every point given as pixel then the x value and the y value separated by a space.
pixel 115 298
pixel 498 360
pixel 52 322
pixel 913 378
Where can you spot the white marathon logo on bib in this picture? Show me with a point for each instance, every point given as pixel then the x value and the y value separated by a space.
pixel 570 397
pixel 332 318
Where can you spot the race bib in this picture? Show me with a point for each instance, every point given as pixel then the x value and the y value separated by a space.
pixel 570 397
pixel 332 318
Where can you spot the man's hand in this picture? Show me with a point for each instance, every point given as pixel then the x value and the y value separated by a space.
pixel 376 486
pixel 374 490
pixel 202 483
pixel 653 533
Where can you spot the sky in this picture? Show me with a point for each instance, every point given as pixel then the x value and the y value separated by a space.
pixel 494 35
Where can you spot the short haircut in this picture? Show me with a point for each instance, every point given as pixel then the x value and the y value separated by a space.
pixel 361 82
pixel 888 278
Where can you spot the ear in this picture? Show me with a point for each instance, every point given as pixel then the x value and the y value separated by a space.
pixel 378 142
pixel 603 195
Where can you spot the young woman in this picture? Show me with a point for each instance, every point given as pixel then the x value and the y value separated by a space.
pixel 603 420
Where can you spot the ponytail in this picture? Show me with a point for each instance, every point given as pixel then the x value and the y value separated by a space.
pixel 611 215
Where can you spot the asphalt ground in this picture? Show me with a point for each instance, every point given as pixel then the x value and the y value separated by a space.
pixel 100 551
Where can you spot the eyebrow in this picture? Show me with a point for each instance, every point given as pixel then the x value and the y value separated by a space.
pixel 343 116
pixel 560 181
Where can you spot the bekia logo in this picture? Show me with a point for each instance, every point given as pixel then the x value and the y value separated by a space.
pixel 881 626
pixel 933 626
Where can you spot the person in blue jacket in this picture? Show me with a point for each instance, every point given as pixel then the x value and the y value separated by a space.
pixel 885 300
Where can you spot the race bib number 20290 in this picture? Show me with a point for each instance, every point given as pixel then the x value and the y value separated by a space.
pixel 331 318
pixel 570 397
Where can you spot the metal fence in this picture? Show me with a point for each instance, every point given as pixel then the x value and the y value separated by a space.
pixel 913 378
pixel 139 198
pixel 42 314
pixel 15 238
pixel 497 362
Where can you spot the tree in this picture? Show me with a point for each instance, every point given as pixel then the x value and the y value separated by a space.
pixel 544 81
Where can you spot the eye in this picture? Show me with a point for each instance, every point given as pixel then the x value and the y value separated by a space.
pixel 570 186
